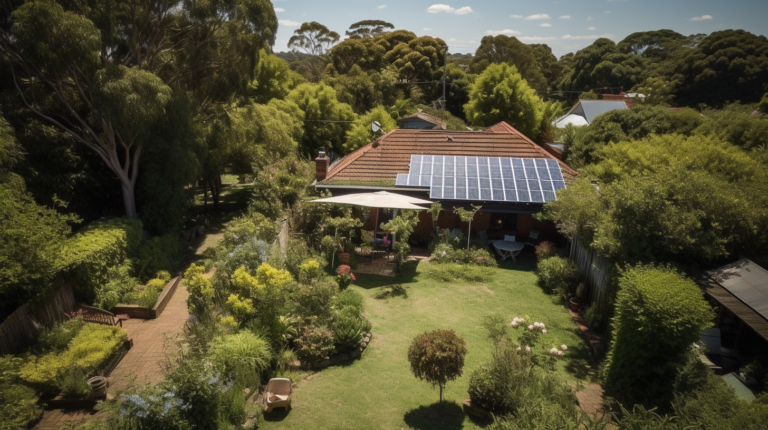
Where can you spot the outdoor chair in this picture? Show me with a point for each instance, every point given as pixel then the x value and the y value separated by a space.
pixel 278 394
pixel 533 239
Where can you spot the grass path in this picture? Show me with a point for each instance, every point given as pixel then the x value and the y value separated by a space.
pixel 379 391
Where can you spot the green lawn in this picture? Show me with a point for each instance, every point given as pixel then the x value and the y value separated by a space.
pixel 379 390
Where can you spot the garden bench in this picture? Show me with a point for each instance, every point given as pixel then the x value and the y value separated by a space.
pixel 98 316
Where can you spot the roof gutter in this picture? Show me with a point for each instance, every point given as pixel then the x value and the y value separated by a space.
pixel 369 187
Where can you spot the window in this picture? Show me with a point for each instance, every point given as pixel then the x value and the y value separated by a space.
pixel 500 221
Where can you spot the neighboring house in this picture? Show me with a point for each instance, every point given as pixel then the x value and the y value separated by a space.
pixel 421 121
pixel 498 168
pixel 585 111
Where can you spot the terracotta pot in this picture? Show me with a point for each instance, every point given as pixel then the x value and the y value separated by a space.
pixel 343 257
pixel 574 303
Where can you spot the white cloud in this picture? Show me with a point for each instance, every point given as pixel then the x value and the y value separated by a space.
pixel 607 11
pixel 437 8
pixel 589 18
pixel 517 16
pixel 464 10
pixel 701 18
pixel 565 17
pixel 505 32
pixel 381 6
pixel 536 38
pixel 288 23
pixel 546 24
pixel 279 9
pixel 589 37
pixel 591 29
pixel 426 29
pixel 537 16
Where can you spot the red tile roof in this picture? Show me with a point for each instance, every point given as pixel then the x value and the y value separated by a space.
pixel 382 159
pixel 425 117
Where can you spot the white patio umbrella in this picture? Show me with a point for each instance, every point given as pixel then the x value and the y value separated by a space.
pixel 379 200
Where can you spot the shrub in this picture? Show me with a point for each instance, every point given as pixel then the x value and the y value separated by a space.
pixel 161 253
pixel 314 300
pixel 120 283
pixel 348 298
pixel 452 272
pixel 243 351
pixel 58 338
pixel 344 276
pixel 253 226
pixel 250 255
pixel 558 275
pixel 146 296
pixel 296 253
pixel 18 403
pixel 72 382
pixel 445 253
pixel 545 250
pixel 310 271
pixel 349 327
pixel 200 291
pixel 437 357
pixel 314 343
pixel 659 314
pixel 87 257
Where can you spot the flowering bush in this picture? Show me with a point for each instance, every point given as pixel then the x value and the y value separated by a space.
pixel 545 250
pixel 528 339
pixel 344 276
pixel 315 343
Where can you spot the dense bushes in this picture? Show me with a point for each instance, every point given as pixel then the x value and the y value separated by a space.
pixel 90 349
pixel 446 253
pixel 146 295
pixel 659 314
pixel 558 275
pixel 240 352
pixel 18 403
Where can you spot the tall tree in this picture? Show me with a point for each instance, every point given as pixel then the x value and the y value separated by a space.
pixel 316 40
pixel 501 94
pixel 326 120
pixel 509 50
pixel 368 28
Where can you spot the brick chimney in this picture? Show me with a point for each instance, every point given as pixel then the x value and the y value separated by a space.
pixel 321 166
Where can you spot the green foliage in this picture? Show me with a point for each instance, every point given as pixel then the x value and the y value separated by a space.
pixel 349 327
pixel 602 65
pixel 272 79
pixel 509 50
pixel 368 28
pixel 545 250
pixel 310 271
pixel 437 357
pixel 73 382
pixel 90 350
pixel 57 339
pixel 242 351
pixel 763 105
pixel 280 186
pixel 659 314
pixel 18 403
pixel 314 343
pixel 32 237
pixel 444 253
pixel 249 227
pixel 558 275
pixel 402 226
pixel 348 299
pixel 314 301
pixel 361 133
pixel 200 291
pixel 119 287
pixel 740 129
pixel 455 272
pixel 501 94
pixel 319 105
pixel 87 257
pixel 146 295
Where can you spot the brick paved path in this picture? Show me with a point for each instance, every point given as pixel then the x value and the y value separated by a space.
pixel 142 362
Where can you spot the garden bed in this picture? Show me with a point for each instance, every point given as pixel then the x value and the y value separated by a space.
pixel 140 312
pixel 337 359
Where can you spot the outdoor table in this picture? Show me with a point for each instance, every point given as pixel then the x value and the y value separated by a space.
pixel 508 248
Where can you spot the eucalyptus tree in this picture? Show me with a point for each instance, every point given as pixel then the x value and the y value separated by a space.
pixel 104 72
pixel 368 28
pixel 316 40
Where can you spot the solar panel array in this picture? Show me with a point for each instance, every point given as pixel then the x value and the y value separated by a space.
pixel 533 180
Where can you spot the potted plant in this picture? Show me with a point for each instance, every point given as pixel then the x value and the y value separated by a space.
pixel 344 276
pixel 343 252
pixel 342 228
pixel 575 301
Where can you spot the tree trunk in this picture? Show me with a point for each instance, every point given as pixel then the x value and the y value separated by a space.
pixel 441 393
pixel 215 186
pixel 129 200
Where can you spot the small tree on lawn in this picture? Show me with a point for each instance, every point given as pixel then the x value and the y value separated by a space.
pixel 467 216
pixel 437 357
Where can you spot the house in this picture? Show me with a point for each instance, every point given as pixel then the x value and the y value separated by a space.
pixel 421 121
pixel 500 169
pixel 585 111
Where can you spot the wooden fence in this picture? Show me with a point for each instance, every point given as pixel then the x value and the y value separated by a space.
pixel 19 330
pixel 597 272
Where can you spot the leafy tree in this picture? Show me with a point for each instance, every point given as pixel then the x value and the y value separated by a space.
pixel 356 88
pixel 368 28
pixel 659 314
pixel 602 65
pixel 509 50
pixel 361 132
pixel 501 94
pixel 316 40
pixel 621 125
pixel 651 44
pixel 742 129
pixel 367 53
pixel 273 79
pixel 326 120
pixel 437 357
pixel 550 67
pixel 419 59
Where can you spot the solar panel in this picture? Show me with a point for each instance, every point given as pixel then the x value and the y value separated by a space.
pixel 534 180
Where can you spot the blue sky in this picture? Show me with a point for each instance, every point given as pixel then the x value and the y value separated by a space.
pixel 565 25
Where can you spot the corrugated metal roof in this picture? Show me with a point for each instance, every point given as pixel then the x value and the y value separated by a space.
pixel 593 108
pixel 747 281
